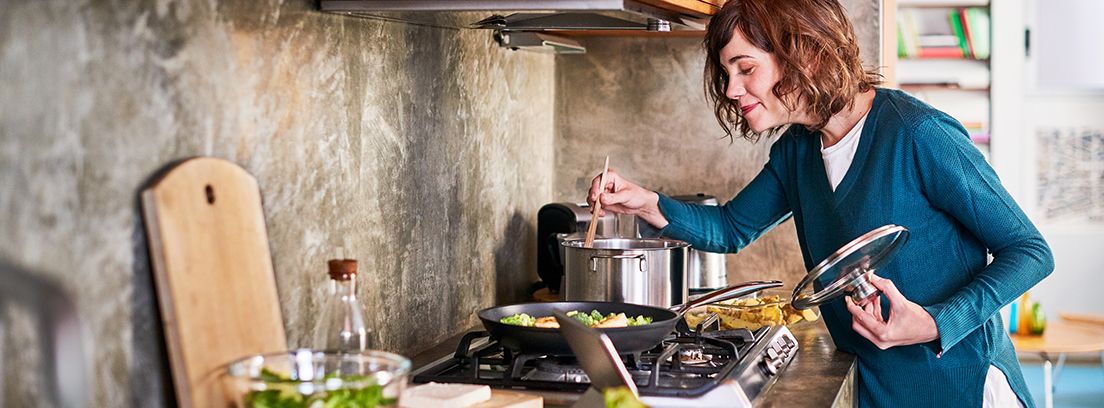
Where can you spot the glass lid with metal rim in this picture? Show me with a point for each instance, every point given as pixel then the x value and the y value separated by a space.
pixel 850 265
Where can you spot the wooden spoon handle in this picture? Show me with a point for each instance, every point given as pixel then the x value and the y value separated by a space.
pixel 588 241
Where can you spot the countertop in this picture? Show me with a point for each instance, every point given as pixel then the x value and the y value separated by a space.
pixel 820 376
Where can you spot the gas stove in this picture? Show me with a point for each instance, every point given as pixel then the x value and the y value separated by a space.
pixel 702 368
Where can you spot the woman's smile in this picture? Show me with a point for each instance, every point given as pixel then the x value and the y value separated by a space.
pixel 747 108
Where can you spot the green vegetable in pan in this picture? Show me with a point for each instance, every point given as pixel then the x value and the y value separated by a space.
pixel 592 319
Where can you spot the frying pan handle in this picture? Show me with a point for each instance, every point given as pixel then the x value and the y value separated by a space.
pixel 737 290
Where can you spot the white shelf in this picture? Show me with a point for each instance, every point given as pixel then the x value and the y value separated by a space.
pixel 961 73
pixel 961 87
pixel 967 107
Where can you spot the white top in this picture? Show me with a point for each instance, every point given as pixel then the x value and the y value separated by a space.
pixel 997 392
pixel 838 157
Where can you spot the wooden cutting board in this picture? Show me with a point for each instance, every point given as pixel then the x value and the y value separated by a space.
pixel 511 399
pixel 213 271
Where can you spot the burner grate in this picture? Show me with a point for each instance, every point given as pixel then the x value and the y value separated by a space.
pixel 662 371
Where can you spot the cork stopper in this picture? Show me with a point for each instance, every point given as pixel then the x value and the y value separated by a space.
pixel 342 269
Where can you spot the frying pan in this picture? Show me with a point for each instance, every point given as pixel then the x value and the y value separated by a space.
pixel 632 339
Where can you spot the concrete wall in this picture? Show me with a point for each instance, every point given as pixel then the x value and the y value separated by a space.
pixel 641 101
pixel 423 152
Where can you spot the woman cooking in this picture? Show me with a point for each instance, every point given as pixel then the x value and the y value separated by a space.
pixel 855 158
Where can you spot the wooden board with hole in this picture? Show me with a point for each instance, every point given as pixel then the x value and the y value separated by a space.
pixel 213 271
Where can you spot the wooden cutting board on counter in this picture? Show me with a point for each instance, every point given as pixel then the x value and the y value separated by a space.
pixel 213 272
pixel 511 399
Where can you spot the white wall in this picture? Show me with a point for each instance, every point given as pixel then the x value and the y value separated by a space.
pixel 1020 108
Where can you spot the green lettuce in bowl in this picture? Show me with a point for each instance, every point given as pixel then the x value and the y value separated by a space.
pixel 313 379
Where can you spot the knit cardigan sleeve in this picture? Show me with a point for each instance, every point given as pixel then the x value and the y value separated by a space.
pixel 956 179
pixel 728 228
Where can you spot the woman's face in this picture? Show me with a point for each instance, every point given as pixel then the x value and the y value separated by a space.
pixel 752 73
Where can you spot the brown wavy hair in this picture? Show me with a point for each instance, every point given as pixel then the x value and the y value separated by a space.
pixel 814 45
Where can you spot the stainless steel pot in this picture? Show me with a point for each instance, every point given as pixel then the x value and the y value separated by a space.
pixel 706 271
pixel 632 270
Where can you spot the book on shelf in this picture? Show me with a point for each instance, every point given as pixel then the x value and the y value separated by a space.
pixel 956 32
pixel 940 52
pixel 977 19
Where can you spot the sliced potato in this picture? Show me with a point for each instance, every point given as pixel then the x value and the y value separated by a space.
pixel 694 318
pixel 752 313
pixel 617 320
pixel 547 322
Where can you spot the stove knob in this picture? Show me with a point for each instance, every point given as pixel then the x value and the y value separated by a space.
pixel 769 366
pixel 772 353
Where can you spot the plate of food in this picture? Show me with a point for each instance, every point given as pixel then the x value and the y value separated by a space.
pixel 767 308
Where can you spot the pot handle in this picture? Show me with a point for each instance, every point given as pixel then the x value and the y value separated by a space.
pixel 640 257
pixel 737 290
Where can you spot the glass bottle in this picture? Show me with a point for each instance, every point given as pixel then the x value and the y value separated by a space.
pixel 341 324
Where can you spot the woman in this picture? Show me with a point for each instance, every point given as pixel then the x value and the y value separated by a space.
pixel 855 158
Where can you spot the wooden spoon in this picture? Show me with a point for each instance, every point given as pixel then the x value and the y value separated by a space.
pixel 588 242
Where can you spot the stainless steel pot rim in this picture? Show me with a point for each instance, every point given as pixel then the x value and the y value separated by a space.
pixel 628 244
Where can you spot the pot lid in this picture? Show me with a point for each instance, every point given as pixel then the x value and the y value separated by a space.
pixel 850 264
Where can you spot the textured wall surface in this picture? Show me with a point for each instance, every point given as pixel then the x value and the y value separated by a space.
pixel 641 101
pixel 423 152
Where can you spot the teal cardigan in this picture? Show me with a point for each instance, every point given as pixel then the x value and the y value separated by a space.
pixel 916 167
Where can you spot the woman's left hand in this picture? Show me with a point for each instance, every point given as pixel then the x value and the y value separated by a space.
pixel 908 322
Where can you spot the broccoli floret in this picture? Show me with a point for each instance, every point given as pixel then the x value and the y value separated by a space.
pixel 520 319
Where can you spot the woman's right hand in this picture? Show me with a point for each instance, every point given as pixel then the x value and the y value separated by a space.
pixel 625 197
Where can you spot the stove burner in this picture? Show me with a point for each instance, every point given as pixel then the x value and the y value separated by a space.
pixel 557 370
pixel 694 356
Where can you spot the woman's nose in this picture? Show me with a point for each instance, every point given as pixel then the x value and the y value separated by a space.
pixel 735 89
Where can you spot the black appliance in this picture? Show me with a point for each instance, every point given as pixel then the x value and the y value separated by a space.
pixel 556 221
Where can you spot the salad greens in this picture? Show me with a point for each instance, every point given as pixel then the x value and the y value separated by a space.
pixel 283 393
pixel 590 319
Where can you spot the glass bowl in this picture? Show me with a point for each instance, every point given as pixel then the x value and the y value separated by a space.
pixel 766 308
pixel 308 378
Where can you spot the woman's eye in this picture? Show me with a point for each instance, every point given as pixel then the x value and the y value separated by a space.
pixel 746 71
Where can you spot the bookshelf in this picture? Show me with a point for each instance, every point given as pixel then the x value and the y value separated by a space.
pixel 940 54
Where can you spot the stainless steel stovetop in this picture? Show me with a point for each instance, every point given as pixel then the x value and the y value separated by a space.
pixel 703 368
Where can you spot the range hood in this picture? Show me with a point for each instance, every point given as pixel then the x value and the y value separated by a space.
pixel 520 24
